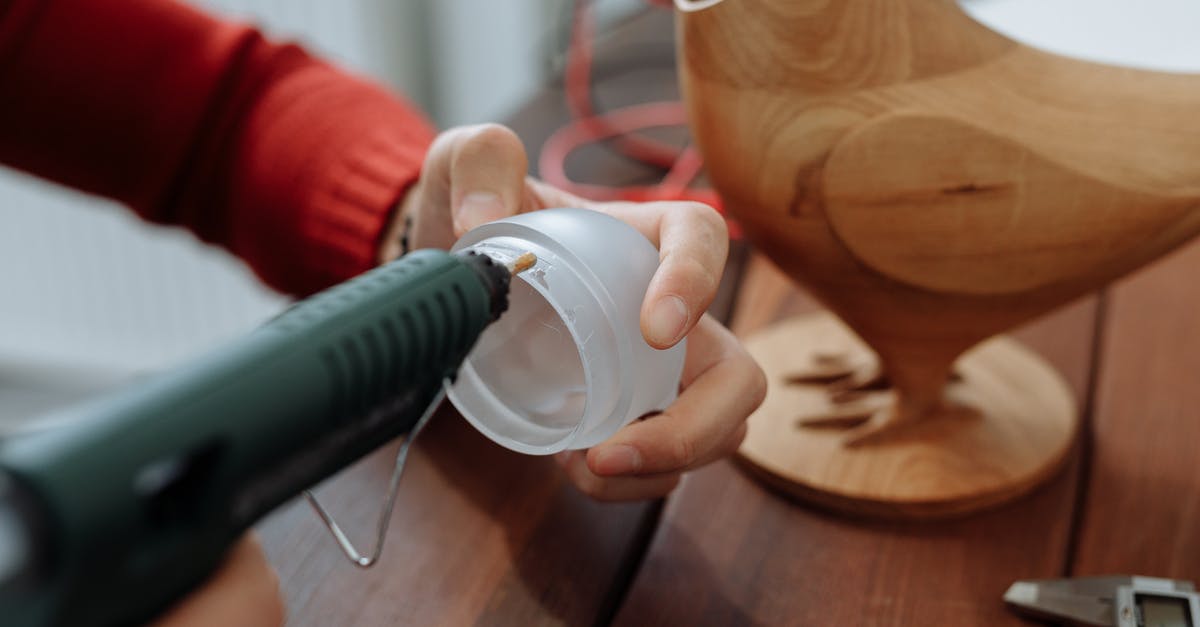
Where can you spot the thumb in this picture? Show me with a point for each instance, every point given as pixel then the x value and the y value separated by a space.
pixel 486 172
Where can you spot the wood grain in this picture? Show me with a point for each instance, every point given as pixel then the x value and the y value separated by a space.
pixel 930 181
pixel 939 468
pixel 1142 513
pixel 949 206
pixel 480 535
pixel 730 551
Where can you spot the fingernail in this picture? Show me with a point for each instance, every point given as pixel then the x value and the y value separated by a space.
pixel 667 319
pixel 477 208
pixel 617 459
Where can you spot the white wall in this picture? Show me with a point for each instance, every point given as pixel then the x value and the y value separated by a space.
pixel 1154 34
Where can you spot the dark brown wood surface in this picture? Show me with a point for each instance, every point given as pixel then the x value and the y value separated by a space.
pixel 1142 499
pixel 729 551
pixel 484 536
pixel 480 535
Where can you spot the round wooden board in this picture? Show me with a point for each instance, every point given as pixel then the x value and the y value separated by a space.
pixel 942 468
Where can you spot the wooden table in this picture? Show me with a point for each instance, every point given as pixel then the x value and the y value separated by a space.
pixel 485 536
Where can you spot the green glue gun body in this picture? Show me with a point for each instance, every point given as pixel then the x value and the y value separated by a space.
pixel 131 501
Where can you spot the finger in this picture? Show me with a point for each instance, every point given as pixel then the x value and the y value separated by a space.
pixel 723 447
pixel 546 196
pixel 244 591
pixel 485 173
pixel 722 385
pixel 610 489
pixel 693 243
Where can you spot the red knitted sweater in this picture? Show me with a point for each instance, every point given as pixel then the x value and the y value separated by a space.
pixel 288 162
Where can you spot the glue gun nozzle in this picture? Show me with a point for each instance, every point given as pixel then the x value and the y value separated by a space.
pixel 523 262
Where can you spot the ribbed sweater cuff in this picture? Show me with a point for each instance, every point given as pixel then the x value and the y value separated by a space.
pixel 321 162
pixel 351 207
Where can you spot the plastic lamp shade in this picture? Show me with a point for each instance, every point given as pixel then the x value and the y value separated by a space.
pixel 566 366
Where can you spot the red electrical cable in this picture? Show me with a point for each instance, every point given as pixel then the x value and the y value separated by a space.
pixel 620 126
pixel 674 186
pixel 578 84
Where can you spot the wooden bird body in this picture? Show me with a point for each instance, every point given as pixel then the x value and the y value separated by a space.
pixel 933 182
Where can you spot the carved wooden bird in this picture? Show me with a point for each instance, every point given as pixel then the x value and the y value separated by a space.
pixel 931 181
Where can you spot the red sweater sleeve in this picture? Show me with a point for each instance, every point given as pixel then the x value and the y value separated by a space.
pixel 288 162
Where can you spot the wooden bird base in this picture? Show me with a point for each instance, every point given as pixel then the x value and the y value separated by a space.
pixel 945 466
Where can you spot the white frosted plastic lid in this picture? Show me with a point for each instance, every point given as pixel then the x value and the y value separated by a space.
pixel 566 366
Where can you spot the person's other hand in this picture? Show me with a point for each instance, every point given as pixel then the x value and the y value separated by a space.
pixel 476 174
pixel 244 592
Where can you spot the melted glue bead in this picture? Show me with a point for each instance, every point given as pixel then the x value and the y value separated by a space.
pixel 566 366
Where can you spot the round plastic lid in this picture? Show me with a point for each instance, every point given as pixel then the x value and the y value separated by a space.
pixel 566 366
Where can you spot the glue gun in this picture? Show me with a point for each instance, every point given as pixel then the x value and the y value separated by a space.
pixel 133 500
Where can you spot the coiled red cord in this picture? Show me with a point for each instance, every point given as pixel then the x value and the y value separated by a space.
pixel 621 127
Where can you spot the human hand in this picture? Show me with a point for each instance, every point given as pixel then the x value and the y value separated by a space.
pixel 244 592
pixel 476 174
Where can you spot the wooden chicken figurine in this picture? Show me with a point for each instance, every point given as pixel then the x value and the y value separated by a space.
pixel 933 183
